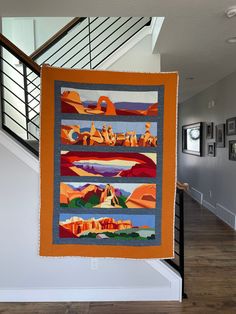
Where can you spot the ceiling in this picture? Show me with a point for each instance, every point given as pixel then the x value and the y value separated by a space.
pixel 192 40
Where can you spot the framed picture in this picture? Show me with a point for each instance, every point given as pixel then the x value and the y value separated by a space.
pixel 211 149
pixel 192 139
pixel 232 150
pixel 220 135
pixel 231 126
pixel 209 130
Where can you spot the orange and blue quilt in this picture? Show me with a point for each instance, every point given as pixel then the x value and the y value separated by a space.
pixel 108 163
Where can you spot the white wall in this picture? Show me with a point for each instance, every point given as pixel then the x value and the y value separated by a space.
pixel 28 33
pixel 25 276
pixel 156 28
pixel 139 58
pixel 46 27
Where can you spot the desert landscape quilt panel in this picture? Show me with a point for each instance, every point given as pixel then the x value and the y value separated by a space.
pixel 108 164
pixel 105 180
pixel 107 195
pixel 109 133
pixel 108 102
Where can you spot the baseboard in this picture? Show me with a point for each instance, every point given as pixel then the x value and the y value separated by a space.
pixel 226 215
pixel 170 273
pixel 196 195
pixel 170 291
pixel 222 212
pixel 219 210
pixel 209 206
pixel 86 295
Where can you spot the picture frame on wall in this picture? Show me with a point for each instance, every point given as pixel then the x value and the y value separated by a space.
pixel 192 139
pixel 231 126
pixel 232 150
pixel 220 135
pixel 209 130
pixel 211 149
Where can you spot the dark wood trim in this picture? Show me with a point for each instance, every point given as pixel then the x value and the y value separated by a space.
pixel 56 37
pixel 182 186
pixel 19 54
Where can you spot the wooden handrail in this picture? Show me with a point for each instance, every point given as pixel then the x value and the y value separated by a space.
pixel 182 186
pixel 19 54
pixel 56 37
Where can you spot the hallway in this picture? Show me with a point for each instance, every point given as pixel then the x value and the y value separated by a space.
pixel 210 251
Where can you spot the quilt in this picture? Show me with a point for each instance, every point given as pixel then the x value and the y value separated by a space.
pixel 107 163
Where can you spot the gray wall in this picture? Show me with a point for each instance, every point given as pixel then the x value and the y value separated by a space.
pixel 214 177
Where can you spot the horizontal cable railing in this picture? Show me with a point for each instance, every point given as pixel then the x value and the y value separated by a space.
pixel 87 36
pixel 15 116
pixel 87 45
pixel 83 43
pixel 55 38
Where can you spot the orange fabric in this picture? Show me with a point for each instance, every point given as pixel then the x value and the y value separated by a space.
pixel 169 80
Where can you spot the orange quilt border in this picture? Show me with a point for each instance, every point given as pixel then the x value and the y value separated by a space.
pixel 170 81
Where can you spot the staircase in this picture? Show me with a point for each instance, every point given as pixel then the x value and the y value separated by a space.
pixel 85 43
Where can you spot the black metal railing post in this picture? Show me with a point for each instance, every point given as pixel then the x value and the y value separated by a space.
pixel 89 32
pixel 178 262
pixel 181 240
pixel 26 100
pixel 2 108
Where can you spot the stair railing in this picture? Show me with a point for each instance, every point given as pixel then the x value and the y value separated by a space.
pixel 86 44
pixel 82 43
pixel 56 37
pixel 15 117
pixel 85 38
pixel 178 262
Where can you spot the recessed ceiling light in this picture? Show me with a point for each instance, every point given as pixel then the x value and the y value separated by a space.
pixel 231 40
pixel 230 12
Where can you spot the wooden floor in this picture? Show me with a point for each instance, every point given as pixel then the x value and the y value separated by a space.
pixel 210 275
